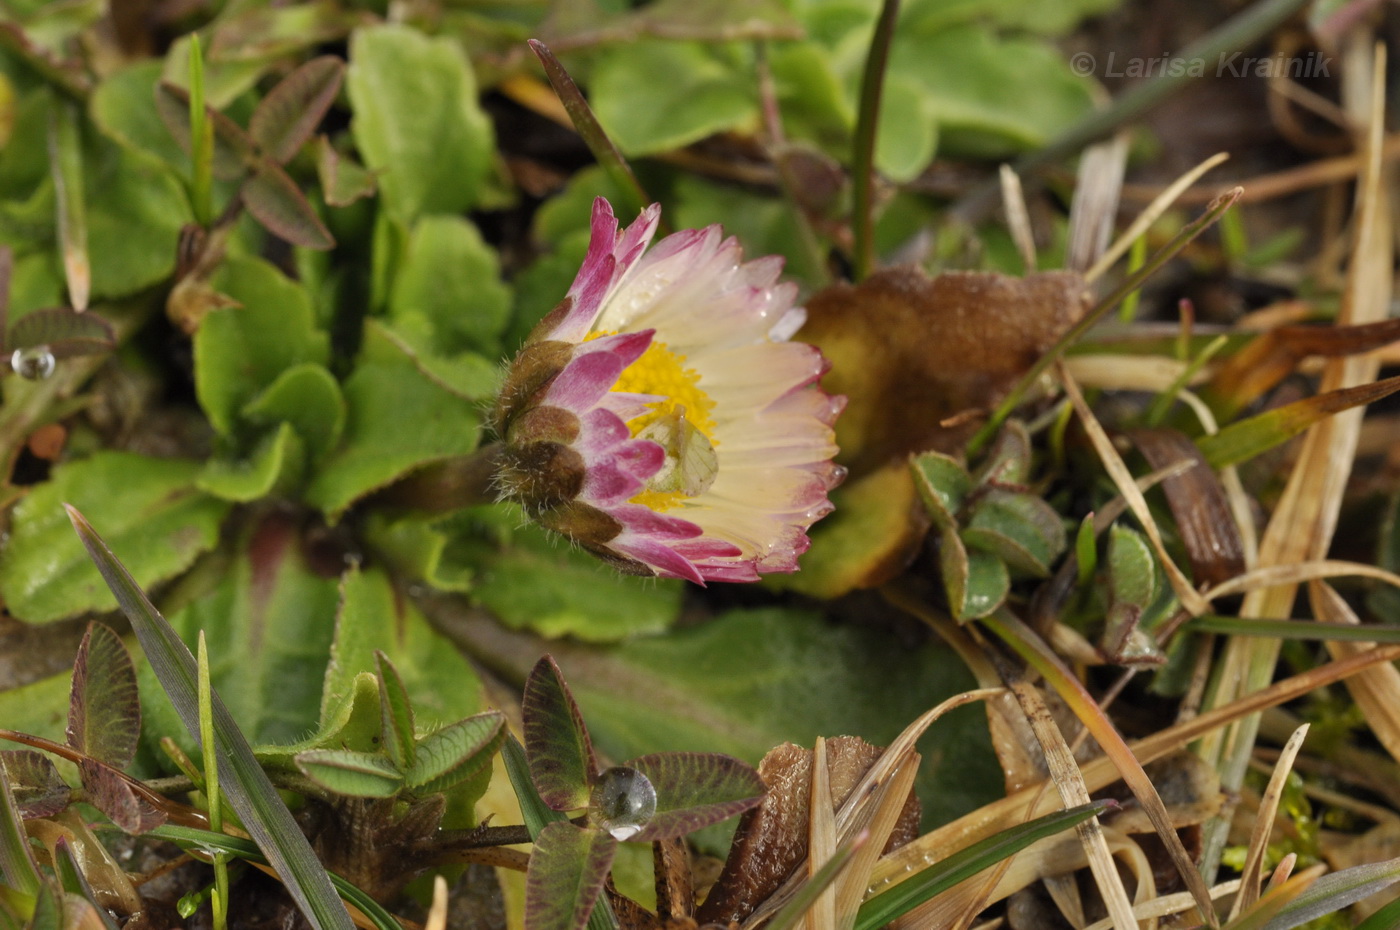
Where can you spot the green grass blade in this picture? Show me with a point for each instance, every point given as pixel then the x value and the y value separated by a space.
pixel 964 864
pixel 245 784
pixel 1295 629
pixel 532 807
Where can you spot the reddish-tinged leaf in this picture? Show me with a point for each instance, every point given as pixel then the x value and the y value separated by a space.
pixel 104 713
pixel 275 201
pixel 233 150
pixel 343 180
pixel 65 331
pixel 562 764
pixel 110 793
pixel 38 788
pixel 567 870
pixel 694 790
pixel 292 110
pixel 1198 504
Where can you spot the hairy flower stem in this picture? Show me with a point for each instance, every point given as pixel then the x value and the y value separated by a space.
pixel 451 484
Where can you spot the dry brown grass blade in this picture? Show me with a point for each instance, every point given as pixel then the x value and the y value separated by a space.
pixel 437 911
pixel 1376 690
pixel 1264 822
pixel 1297 573
pixel 1018 218
pixel 1123 480
pixel 1092 212
pixel 851 884
pixel 1168 904
pixel 1073 792
pixel 821 840
pixel 1057 675
pixel 1305 518
pixel 1100 772
pixel 863 803
pixel 1148 216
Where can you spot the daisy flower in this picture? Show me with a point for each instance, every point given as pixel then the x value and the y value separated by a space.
pixel 661 418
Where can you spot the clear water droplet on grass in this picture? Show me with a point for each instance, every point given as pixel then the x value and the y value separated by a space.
pixel 622 802
pixel 34 363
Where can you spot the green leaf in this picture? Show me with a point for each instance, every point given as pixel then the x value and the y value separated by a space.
pixel 268 627
pixel 654 95
pixel 398 420
pixel 694 790
pixel 907 136
pixel 1019 528
pixel 150 506
pixel 455 753
pixel 1008 461
pixel 567 870
pixel 135 210
pixel 417 120
pixel 974 581
pixel 396 712
pixel 349 773
pixel 990 95
pixel 421 549
pixel 965 863
pixel 245 784
pixel 530 581
pixel 104 714
pixel 292 110
pixel 343 180
pixel 943 485
pixel 275 460
pixel 373 616
pixel 308 397
pixel 241 351
pixel 1130 579
pixel 447 294
pixel 876 530
pixel 121 108
pixel 562 764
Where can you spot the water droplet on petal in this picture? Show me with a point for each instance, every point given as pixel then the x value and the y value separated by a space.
pixel 623 802
pixel 34 363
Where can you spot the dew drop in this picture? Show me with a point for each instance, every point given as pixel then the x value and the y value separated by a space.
pixel 34 363
pixel 622 802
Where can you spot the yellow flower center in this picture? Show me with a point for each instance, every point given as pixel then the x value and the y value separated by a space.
pixel 681 424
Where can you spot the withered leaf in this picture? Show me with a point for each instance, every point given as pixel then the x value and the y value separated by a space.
pixel 1198 504
pixel 910 351
pixel 772 838
pixel 1245 376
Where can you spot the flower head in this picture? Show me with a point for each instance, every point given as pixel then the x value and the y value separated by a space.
pixel 661 418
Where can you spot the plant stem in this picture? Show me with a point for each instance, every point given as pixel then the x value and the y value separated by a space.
pixel 867 126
